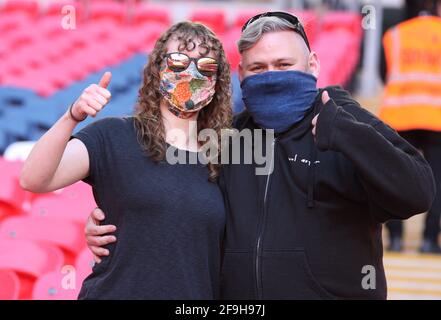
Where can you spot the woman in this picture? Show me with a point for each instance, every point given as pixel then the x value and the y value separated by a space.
pixel 177 210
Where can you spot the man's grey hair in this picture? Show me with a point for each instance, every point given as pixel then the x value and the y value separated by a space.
pixel 258 28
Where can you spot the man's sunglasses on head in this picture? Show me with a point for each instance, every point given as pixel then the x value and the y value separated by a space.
pixel 284 15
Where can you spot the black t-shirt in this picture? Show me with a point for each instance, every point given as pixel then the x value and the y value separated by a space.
pixel 170 220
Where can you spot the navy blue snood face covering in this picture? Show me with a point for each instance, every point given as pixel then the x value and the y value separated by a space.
pixel 278 99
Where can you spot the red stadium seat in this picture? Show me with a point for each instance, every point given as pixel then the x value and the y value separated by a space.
pixel 342 20
pixel 151 13
pixel 229 41
pixel 6 211
pixel 339 53
pixel 242 16
pixel 11 194
pixel 73 203
pixel 29 258
pixel 144 37
pixel 64 234
pixel 36 81
pixel 41 51
pixel 62 46
pixel 54 8
pixel 212 18
pixel 113 11
pixel 61 285
pixel 101 30
pixel 24 59
pixel 110 57
pixel 29 7
pixel 84 263
pixel 18 39
pixel 67 73
pixel 12 22
pixel 61 74
pixel 10 285
pixel 49 28
pixel 39 67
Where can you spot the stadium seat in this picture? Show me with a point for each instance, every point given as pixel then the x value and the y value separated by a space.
pixel 26 60
pixel 29 261
pixel 109 58
pixel 229 41
pixel 11 23
pixel 39 113
pixel 243 15
pixel 73 203
pixel 50 27
pixel 36 81
pixel 130 71
pixel 112 11
pixel 59 285
pixel 212 18
pixel 14 97
pixel 146 12
pixel 30 7
pixel 84 263
pixel 11 195
pixel 10 73
pixel 6 211
pixel 149 32
pixel 4 52
pixel 54 8
pixel 18 39
pixel 10 285
pixel 342 20
pixel 63 98
pixel 69 70
pixel 59 232
pixel 339 53
pixel 14 125
pixel 29 257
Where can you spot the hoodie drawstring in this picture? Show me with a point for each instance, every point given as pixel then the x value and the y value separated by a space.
pixel 311 176
pixel 311 173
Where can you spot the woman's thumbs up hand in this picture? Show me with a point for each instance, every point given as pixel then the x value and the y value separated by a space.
pixel 93 99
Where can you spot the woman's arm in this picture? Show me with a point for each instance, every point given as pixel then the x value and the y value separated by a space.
pixel 56 162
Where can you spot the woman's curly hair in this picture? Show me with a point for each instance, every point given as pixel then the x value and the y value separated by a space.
pixel 217 115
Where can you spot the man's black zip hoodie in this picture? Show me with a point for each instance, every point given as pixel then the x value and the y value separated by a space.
pixel 312 228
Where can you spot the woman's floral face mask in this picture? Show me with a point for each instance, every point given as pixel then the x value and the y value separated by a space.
pixel 186 91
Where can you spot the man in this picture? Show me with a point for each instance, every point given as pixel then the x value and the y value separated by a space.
pixel 412 103
pixel 311 227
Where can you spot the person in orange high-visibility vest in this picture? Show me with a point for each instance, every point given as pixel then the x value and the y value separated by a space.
pixel 412 104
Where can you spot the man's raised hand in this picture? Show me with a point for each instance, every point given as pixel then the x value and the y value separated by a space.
pixel 325 99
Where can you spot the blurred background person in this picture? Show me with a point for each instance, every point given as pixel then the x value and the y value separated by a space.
pixel 412 100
